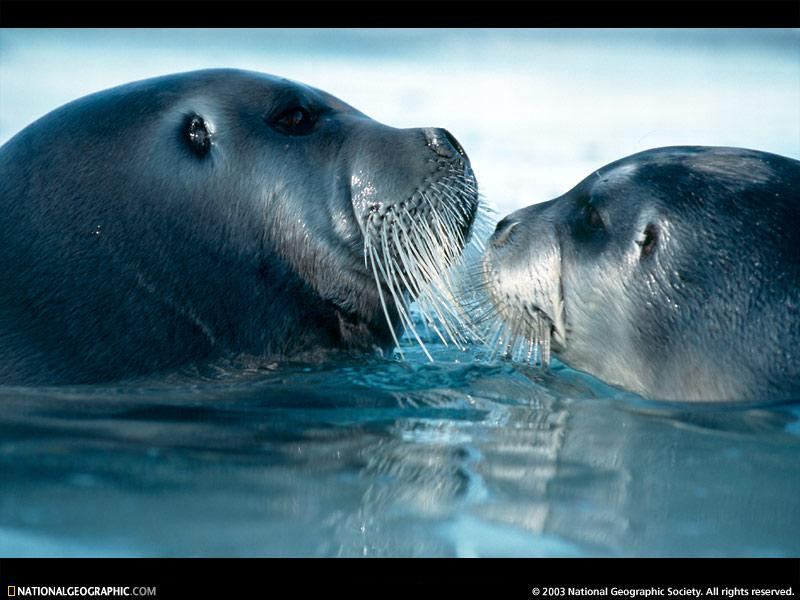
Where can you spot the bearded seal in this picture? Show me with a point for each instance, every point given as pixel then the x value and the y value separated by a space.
pixel 673 273
pixel 218 213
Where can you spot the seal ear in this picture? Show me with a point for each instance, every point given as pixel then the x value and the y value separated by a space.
pixel 197 135
pixel 648 241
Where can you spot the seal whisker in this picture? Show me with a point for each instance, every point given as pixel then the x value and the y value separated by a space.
pixel 453 207
pixel 439 293
pixel 432 297
pixel 417 249
pixel 401 305
pixel 413 287
pixel 444 240
pixel 383 300
pixel 402 255
pixel 446 194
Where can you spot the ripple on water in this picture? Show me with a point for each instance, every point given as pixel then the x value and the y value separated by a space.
pixel 392 458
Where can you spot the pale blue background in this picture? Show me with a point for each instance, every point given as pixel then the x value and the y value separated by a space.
pixel 537 110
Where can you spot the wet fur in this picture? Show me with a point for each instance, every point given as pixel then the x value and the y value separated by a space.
pixel 712 313
pixel 124 252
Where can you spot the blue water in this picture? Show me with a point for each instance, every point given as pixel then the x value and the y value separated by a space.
pixel 463 457
pixel 392 458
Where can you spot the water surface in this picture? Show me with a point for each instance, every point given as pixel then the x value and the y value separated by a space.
pixel 392 458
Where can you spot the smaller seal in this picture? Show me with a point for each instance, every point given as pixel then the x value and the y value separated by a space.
pixel 673 273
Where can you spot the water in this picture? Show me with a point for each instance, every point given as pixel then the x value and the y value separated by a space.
pixel 392 458
pixel 463 457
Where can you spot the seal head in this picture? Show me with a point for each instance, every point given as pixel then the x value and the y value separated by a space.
pixel 217 213
pixel 674 273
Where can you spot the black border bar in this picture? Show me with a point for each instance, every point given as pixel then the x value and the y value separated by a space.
pixel 414 579
pixel 393 13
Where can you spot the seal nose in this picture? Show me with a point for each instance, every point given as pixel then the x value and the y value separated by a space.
pixel 443 143
pixel 503 231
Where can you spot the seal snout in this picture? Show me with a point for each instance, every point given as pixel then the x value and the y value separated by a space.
pixel 443 143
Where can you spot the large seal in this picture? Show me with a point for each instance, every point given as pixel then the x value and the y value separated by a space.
pixel 674 273
pixel 213 213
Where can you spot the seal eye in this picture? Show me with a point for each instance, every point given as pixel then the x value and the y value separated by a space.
pixel 197 134
pixel 648 244
pixel 295 121
pixel 593 218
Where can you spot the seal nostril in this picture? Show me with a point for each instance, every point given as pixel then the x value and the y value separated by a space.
pixel 453 142
pixel 503 231
pixel 443 143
